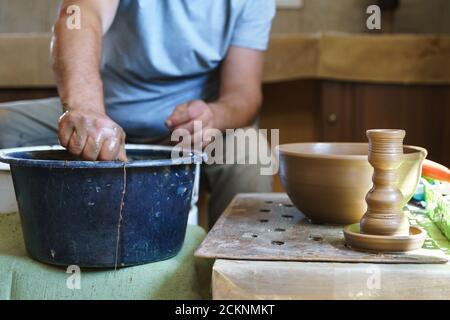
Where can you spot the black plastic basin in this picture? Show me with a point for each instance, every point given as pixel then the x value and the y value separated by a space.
pixel 71 210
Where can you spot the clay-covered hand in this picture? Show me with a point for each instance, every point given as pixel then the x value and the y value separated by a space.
pixel 184 116
pixel 91 135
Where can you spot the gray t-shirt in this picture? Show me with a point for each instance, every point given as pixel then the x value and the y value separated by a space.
pixel 160 53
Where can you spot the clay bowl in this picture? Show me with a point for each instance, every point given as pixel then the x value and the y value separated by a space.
pixel 328 182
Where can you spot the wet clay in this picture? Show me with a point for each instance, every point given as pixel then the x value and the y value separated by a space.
pixel 384 227
pixel 384 215
pixel 372 243
pixel 328 182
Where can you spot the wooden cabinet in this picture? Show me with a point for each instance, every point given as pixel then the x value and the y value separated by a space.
pixel 319 110
pixel 349 109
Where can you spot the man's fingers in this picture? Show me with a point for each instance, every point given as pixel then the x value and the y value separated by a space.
pixel 91 149
pixel 203 118
pixel 123 154
pixel 65 130
pixel 189 126
pixel 179 116
pixel 109 150
pixel 77 142
pixel 196 108
pixel 65 134
pixel 185 113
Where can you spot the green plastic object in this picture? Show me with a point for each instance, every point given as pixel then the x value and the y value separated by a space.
pixel 438 205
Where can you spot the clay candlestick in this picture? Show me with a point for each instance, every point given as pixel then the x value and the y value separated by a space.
pixel 384 215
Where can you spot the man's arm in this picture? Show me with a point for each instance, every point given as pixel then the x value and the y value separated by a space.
pixel 84 129
pixel 239 100
pixel 240 90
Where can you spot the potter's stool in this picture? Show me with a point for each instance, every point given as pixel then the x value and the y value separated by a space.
pixel 182 277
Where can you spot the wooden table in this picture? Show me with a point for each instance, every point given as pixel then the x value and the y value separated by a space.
pixel 411 276
pixel 239 279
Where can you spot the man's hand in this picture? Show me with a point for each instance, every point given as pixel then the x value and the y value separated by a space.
pixel 185 114
pixel 92 136
pixel 86 132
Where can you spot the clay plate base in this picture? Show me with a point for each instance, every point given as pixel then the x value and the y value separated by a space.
pixel 374 243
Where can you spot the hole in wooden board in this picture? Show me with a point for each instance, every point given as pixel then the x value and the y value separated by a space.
pixel 263 220
pixel 264 210
pixel 269 201
pixel 277 243
pixel 316 238
pixel 288 205
pixel 280 230
pixel 287 216
pixel 254 236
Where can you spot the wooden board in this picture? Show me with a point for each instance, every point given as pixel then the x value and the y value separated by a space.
pixel 269 227
pixel 233 279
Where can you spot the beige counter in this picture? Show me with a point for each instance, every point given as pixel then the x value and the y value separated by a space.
pixel 398 58
pixel 25 60
pixel 402 58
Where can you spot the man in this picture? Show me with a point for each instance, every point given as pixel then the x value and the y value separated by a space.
pixel 138 69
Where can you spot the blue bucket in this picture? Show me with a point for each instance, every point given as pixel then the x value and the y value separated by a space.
pixel 102 214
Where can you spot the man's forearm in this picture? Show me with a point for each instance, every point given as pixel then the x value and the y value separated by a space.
pixel 76 59
pixel 240 90
pixel 84 128
pixel 236 109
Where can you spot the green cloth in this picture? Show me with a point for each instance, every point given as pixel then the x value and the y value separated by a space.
pixel 438 207
pixel 435 240
pixel 182 277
